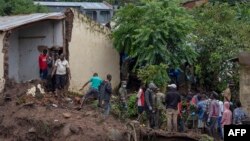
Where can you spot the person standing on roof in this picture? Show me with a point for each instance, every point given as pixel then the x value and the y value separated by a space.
pixel 172 99
pixel 43 66
pixel 95 81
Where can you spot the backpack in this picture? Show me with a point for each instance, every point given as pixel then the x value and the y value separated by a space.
pixel 102 88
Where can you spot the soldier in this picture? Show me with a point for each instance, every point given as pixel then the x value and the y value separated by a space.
pixel 123 97
pixel 159 100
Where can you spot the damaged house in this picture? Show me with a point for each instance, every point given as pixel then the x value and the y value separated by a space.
pixel 85 43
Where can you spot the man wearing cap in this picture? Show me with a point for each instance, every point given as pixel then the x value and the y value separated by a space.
pixel 172 100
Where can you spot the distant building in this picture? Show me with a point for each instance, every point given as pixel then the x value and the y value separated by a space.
pixel 101 12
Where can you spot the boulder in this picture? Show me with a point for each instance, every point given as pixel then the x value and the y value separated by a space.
pixel 114 135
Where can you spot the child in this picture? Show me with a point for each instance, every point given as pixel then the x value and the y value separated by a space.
pixel 226 117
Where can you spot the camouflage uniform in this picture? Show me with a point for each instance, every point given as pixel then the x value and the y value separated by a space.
pixel 160 110
pixel 123 98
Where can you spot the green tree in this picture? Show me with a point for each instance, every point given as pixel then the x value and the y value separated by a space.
pixel 14 7
pixel 154 32
pixel 222 32
pixel 154 73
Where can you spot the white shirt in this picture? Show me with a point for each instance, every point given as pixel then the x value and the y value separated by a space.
pixel 61 66
pixel 221 108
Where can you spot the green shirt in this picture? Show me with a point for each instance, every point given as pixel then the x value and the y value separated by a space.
pixel 95 82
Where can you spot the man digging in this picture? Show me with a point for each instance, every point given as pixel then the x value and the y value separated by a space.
pixel 94 88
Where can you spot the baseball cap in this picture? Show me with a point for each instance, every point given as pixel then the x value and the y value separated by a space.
pixel 172 86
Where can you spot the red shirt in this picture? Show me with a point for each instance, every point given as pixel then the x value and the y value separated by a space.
pixel 179 109
pixel 140 97
pixel 43 62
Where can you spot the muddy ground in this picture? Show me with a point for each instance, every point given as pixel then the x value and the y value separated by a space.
pixel 44 117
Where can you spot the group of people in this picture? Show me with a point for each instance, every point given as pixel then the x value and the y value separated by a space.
pixel 202 112
pixel 54 68
pixel 157 104
pixel 215 114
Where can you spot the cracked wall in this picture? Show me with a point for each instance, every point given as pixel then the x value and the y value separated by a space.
pixel 91 50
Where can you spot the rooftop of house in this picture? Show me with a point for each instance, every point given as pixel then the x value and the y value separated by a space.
pixel 84 5
pixel 10 22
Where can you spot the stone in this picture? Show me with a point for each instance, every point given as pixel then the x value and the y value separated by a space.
pixel 74 129
pixel 40 89
pixel 68 99
pixel 88 113
pixel 54 105
pixel 66 130
pixel 32 130
pixel 77 99
pixel 66 115
pixel 114 135
pixel 31 91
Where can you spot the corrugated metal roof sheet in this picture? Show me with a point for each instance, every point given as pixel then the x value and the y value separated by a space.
pixel 10 22
pixel 84 5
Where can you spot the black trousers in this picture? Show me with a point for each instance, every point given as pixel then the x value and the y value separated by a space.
pixel 60 81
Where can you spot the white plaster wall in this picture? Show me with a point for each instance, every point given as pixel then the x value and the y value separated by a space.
pixel 90 50
pixel 13 54
pixel 2 80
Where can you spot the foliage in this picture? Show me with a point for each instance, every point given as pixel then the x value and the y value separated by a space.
pixel 222 32
pixel 131 111
pixel 154 32
pixel 14 7
pixel 154 73
pixel 132 108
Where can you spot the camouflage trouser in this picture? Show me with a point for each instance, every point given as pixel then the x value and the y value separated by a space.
pixel 164 118
pixel 159 118
pixel 123 108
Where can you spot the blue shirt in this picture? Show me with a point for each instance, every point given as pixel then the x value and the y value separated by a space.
pixel 95 82
pixel 201 109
